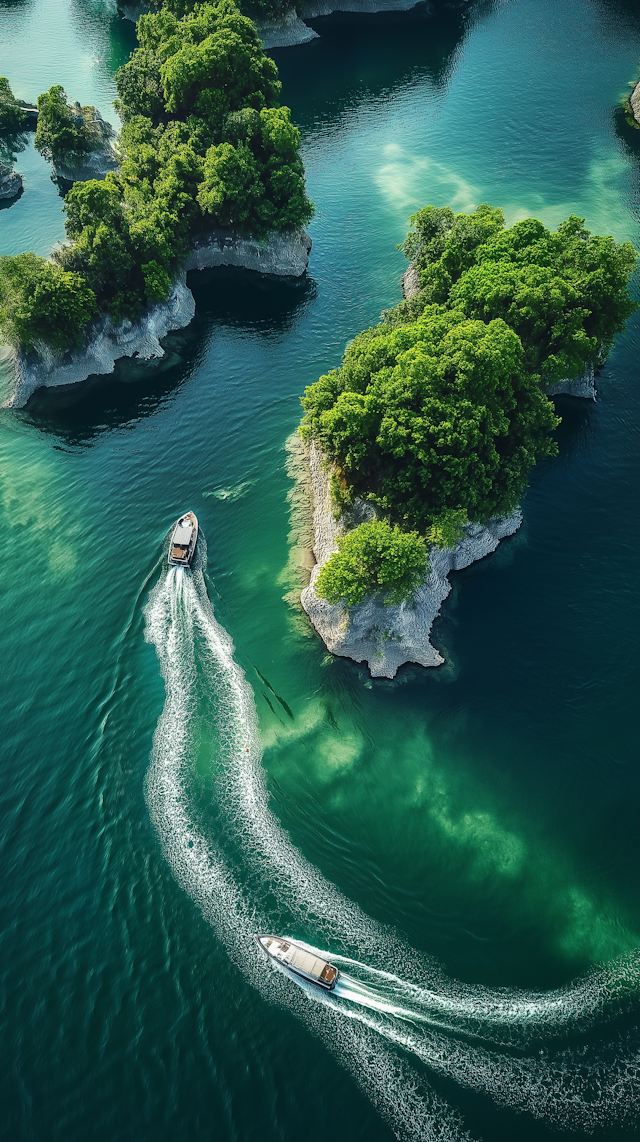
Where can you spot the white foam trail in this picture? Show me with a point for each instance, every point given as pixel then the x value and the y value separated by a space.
pixel 505 1016
pixel 171 615
pixel 573 1089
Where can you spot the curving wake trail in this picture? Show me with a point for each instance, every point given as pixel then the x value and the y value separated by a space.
pixel 376 1021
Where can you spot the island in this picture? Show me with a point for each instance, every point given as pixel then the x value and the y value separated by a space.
pixel 209 173
pixel 420 445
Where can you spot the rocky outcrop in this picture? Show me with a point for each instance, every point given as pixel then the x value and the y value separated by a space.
pixel 284 254
pixel 410 282
pixel 634 103
pixel 286 32
pixel 387 637
pixel 583 386
pixel 134 11
pixel 104 344
pixel 95 165
pixel 10 182
pixel 292 30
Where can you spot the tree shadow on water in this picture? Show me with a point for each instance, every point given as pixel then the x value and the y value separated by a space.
pixel 256 305
pixel 359 56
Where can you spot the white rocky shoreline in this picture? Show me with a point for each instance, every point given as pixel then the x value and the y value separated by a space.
pixel 386 637
pixel 281 254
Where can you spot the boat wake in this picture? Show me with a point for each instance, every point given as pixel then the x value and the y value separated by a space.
pixel 540 1053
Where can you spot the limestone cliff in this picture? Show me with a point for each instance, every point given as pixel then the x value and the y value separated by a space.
pixel 634 102
pixel 283 254
pixel 387 637
pixel 291 29
pixel 105 343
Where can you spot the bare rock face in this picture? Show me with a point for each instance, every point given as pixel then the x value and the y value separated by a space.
pixel 634 102
pixel 292 30
pixel 387 637
pixel 10 182
pixel 282 253
pixel 410 282
pixel 286 32
pixel 105 343
pixel 583 386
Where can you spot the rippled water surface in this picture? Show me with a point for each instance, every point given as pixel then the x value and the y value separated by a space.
pixel 183 763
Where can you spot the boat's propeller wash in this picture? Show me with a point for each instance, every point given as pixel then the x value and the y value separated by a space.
pixel 509 1044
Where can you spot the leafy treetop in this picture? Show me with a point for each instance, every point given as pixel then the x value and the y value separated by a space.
pixel 372 558
pixel 565 293
pixel 68 131
pixel 433 417
pixel 40 302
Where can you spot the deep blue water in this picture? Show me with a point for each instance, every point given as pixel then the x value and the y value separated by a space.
pixel 473 829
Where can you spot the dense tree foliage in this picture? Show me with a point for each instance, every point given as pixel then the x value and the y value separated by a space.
pixel 372 558
pixel 12 117
pixel 12 122
pixel 267 10
pixel 204 144
pixel 432 417
pixel 564 293
pixel 68 132
pixel 40 302
pixel 437 415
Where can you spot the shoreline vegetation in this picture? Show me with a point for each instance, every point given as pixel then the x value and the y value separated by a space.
pixel 206 154
pixel 436 416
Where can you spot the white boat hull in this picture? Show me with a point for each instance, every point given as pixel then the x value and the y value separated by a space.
pixel 300 961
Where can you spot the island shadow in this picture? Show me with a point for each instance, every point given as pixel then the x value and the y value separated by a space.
pixel 363 55
pixel 261 305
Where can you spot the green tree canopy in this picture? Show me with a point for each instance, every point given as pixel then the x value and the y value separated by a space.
pixel 565 292
pixel 68 132
pixel 40 302
pixel 433 417
pixel 205 65
pixel 372 558
pixel 12 122
pixel 204 143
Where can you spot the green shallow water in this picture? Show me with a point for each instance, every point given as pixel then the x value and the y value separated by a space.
pixel 481 819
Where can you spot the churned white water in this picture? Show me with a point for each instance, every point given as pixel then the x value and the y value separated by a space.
pixel 503 1043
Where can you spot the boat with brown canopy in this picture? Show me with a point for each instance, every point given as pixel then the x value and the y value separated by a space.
pixel 300 961
pixel 183 541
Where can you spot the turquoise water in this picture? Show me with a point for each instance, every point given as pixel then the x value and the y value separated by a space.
pixel 468 836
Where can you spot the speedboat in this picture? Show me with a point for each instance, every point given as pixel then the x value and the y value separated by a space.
pixel 303 963
pixel 183 541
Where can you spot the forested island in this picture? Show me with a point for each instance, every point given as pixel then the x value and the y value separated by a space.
pixel 205 144
pixel 431 425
